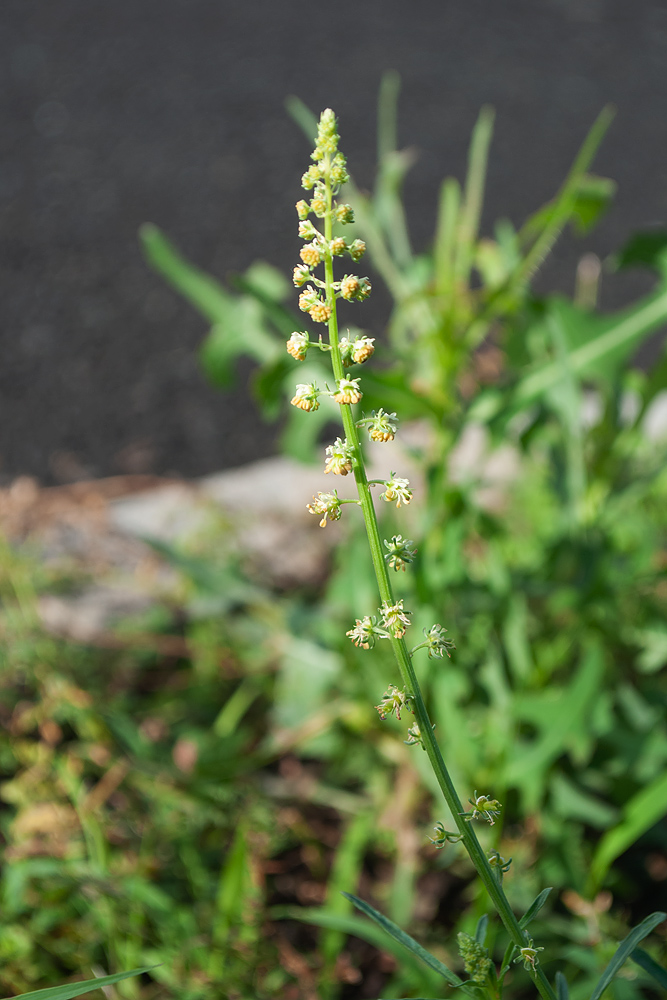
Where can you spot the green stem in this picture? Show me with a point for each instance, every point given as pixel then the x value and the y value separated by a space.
pixel 468 835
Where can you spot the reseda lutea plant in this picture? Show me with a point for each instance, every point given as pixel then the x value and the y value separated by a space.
pixel 392 621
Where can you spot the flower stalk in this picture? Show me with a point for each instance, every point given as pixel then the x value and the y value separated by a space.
pixel 326 175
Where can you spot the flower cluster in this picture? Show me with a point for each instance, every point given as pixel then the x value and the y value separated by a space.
pixel 394 701
pixel 298 345
pixel 444 837
pixel 366 630
pixel 400 552
pixel 397 489
pixel 499 864
pixel 484 808
pixel 305 396
pixel 436 643
pixel 475 957
pixel 347 391
pixel 528 955
pixel 394 618
pixel 326 504
pixel 415 736
pixel 339 458
pixel 382 426
pixel 355 352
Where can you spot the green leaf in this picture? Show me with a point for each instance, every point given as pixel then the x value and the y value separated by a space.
pixel 644 249
pixel 562 990
pixel 71 990
pixel 480 930
pixel 408 942
pixel 534 908
pixel 473 195
pixel 303 116
pixel 201 291
pixel 650 965
pixel 625 949
pixel 641 813
pixel 592 199
pixel 348 924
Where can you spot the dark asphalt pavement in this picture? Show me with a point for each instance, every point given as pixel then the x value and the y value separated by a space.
pixel 171 111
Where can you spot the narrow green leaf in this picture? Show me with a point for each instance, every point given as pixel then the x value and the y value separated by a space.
pixel 534 908
pixel 390 86
pixel 473 197
pixel 565 200
pixel 625 949
pixel 507 959
pixel 303 116
pixel 201 291
pixel 648 964
pixel 562 989
pixel 408 942
pixel 641 813
pixel 480 930
pixel 345 871
pixel 71 990
pixel 445 236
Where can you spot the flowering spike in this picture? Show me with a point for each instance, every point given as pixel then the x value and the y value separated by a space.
pixel 498 864
pixel 475 958
pixel 415 736
pixel 436 642
pixel 444 837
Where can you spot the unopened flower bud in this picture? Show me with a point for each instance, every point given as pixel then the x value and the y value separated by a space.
pixel 344 213
pixel 309 297
pixel 307 230
pixel 319 207
pixel 382 426
pixel 310 254
pixel 305 397
pixel 338 458
pixel 348 391
pixel 357 249
pixel 302 209
pixel 298 345
pixel 362 349
pixel 338 246
pixel 339 175
pixel 300 275
pixel 320 312
pixel 349 286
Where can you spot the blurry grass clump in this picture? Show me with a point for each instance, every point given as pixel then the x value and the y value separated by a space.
pixel 205 812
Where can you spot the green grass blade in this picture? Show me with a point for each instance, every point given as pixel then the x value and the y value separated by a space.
pixel 534 908
pixel 445 236
pixel 473 198
pixel 390 86
pixel 650 965
pixel 71 990
pixel 408 942
pixel 641 813
pixel 201 291
pixel 481 929
pixel 345 872
pixel 625 949
pixel 303 116
pixel 566 197
pixel 562 989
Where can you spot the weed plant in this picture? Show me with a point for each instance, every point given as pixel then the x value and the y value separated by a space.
pixel 204 813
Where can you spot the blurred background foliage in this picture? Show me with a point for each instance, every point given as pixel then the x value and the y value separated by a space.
pixel 205 811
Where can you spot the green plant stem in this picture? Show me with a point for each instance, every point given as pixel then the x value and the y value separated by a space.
pixel 468 835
